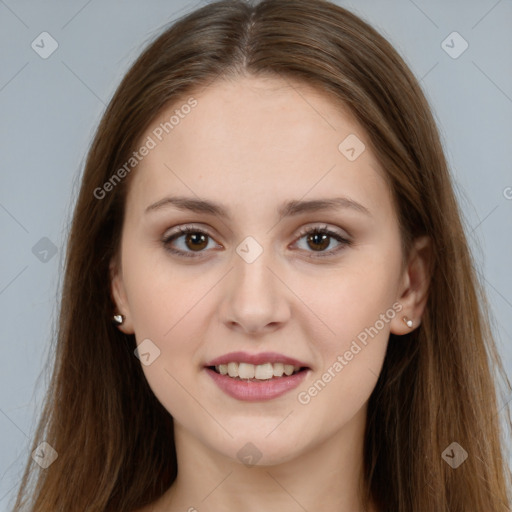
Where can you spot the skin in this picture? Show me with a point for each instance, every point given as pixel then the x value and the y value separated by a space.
pixel 252 143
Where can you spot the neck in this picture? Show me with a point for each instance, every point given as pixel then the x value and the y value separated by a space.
pixel 327 475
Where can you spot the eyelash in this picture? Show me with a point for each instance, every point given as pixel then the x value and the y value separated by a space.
pixel 308 231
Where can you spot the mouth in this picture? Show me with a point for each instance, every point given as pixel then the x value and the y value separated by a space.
pixel 255 373
pixel 256 377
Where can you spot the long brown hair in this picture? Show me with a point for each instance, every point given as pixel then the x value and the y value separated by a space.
pixel 115 440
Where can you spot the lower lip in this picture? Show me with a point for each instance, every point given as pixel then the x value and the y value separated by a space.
pixel 251 391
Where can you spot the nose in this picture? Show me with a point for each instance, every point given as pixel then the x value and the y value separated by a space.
pixel 255 299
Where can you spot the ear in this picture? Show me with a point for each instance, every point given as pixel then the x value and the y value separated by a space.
pixel 414 287
pixel 118 293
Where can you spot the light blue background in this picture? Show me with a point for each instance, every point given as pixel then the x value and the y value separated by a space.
pixel 51 107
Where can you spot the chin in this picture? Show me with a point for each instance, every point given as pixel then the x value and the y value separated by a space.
pixel 256 448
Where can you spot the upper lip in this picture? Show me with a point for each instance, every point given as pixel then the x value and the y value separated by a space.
pixel 261 358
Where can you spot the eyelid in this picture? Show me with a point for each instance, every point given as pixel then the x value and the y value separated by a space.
pixel 322 226
pixel 185 228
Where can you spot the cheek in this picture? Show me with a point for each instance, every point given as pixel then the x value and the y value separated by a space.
pixel 169 312
pixel 352 298
pixel 357 304
pixel 160 292
pixel 351 358
pixel 165 306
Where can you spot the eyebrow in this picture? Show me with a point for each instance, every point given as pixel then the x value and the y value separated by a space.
pixel 287 209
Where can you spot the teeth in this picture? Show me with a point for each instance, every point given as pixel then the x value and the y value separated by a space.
pixel 278 369
pixel 233 369
pixel 264 371
pixel 261 371
pixel 246 371
pixel 288 369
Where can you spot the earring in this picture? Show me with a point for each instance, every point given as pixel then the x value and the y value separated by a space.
pixel 407 321
pixel 118 319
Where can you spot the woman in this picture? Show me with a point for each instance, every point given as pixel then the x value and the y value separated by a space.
pixel 269 301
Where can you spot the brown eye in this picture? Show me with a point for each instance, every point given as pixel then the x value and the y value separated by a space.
pixel 322 241
pixel 319 239
pixel 195 240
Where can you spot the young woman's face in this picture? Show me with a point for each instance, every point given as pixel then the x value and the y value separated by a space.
pixel 251 286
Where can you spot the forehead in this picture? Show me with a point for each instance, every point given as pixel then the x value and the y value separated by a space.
pixel 256 137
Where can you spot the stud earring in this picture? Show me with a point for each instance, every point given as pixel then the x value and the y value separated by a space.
pixel 407 321
pixel 118 319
